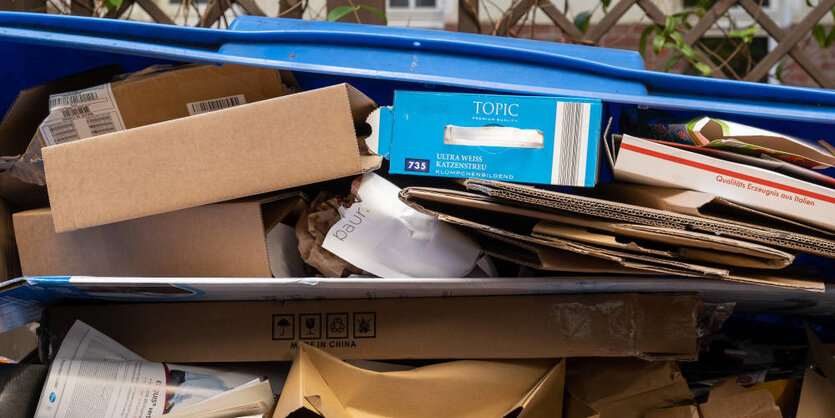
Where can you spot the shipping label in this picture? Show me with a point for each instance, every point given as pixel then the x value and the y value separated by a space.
pixel 81 114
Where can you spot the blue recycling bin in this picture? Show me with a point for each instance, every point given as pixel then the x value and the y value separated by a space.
pixel 38 48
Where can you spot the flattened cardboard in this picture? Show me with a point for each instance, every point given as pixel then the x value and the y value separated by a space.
pixel 548 258
pixel 225 239
pixel 320 384
pixel 626 388
pixel 682 244
pixel 547 326
pixel 241 151
pixel 645 262
pixel 608 209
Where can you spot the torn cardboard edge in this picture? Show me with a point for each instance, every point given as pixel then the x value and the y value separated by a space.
pixel 607 209
pixel 629 260
pixel 87 177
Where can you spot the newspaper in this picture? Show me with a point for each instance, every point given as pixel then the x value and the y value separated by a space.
pixel 93 375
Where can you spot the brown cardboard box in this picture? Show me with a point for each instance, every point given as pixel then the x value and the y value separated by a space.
pixel 220 240
pixel 657 326
pixel 320 384
pixel 19 126
pixel 156 94
pixel 236 152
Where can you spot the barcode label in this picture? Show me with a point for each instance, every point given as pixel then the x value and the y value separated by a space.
pixel 101 124
pixel 63 132
pixel 72 99
pixel 81 114
pixel 75 112
pixel 571 144
pixel 196 108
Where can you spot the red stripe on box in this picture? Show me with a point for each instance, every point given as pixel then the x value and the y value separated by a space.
pixel 723 171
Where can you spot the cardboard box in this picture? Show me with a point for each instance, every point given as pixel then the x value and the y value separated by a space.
pixel 648 162
pixel 20 124
pixel 656 326
pixel 155 94
pixel 236 152
pixel 320 384
pixel 224 239
pixel 525 139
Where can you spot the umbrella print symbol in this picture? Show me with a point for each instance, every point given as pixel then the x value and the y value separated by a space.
pixel 283 324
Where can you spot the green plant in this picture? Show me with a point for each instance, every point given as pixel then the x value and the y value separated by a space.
pixel 341 11
pixel 823 39
pixel 670 37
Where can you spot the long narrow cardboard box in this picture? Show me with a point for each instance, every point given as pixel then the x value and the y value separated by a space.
pixel 241 151
pixel 548 326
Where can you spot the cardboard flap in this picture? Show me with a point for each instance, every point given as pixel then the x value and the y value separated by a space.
pixel 544 400
pixel 626 388
pixel 686 411
pixel 32 105
pixel 729 400
pixel 336 389
pixel 548 258
pixel 576 408
pixel 817 396
pixel 305 393
pixel 361 105
pixel 546 229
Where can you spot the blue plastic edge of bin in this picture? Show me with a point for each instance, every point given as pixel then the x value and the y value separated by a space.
pixel 246 46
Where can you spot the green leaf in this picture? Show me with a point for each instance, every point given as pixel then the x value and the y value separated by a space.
pixel 703 68
pixel 671 62
pixel 642 42
pixel 779 71
pixel 677 37
pixel 606 4
pixel 581 21
pixel 376 11
pixel 670 25
pixel 819 33
pixel 688 51
pixel 830 38
pixel 658 43
pixel 747 35
pixel 112 4
pixel 338 12
pixel 809 3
